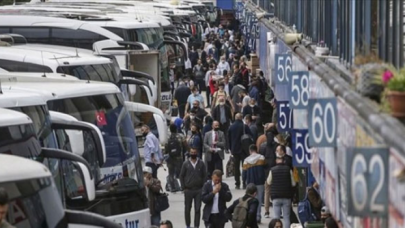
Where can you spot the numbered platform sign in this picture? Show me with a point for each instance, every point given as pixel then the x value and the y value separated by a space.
pixel 299 89
pixel 301 150
pixel 283 67
pixel 284 116
pixel 367 181
pixel 322 122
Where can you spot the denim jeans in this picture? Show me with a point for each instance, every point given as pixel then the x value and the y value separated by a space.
pixel 283 205
pixel 155 219
pixel 259 196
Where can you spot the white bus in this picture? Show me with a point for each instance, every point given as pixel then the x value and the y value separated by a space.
pixel 71 61
pixel 34 199
pixel 101 104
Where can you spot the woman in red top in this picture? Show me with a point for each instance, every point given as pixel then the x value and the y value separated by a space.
pixel 212 83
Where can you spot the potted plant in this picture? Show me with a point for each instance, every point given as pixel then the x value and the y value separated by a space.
pixel 394 82
pixel 365 69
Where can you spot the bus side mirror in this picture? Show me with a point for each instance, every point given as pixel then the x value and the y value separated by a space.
pixel 77 176
pixel 68 131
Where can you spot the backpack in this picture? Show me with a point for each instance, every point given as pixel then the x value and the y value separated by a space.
pixel 305 211
pixel 240 213
pixel 173 147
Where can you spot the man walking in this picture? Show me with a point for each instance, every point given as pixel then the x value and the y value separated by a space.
pixel 152 151
pixel 181 94
pixel 214 145
pixel 174 150
pixel 215 194
pixel 235 132
pixel 241 217
pixel 254 173
pixel 192 177
pixel 252 126
pixel 223 114
pixel 281 183
pixel 195 96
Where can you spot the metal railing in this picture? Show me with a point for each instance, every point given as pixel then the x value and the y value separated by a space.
pixel 349 27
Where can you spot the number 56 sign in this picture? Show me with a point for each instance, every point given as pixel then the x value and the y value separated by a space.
pixel 367 182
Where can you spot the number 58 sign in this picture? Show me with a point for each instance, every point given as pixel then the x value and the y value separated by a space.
pixel 322 120
pixel 367 181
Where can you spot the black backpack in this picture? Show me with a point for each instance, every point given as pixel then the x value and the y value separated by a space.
pixel 174 147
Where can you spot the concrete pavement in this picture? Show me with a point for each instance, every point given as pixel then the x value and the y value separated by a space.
pixel 176 211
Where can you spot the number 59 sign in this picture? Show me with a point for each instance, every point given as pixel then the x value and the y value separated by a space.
pixel 322 122
pixel 301 151
pixel 367 182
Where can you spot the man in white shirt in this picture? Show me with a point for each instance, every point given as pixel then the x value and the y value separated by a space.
pixel 215 194
pixel 223 65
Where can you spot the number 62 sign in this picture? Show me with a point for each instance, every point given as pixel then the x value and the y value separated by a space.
pixel 367 181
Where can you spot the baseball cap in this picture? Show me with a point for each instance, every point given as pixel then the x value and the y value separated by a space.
pixel 147 169
pixel 325 210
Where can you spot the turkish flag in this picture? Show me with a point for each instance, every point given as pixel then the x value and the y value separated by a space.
pixel 100 117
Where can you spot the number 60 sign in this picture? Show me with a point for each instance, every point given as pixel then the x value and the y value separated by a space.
pixel 322 122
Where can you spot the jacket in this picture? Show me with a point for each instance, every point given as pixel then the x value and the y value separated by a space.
pixel 208 145
pixel 253 204
pixel 254 169
pixel 216 115
pixel 316 202
pixel 235 133
pixel 154 188
pixel 225 195
pixel 255 111
pixel 255 93
pixel 281 182
pixel 193 178
pixel 181 94
pixel 5 224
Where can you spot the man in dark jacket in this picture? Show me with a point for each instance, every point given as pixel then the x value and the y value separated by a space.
pixel 192 178
pixel 252 126
pixel 253 110
pixel 281 153
pixel 253 172
pixel 281 183
pixel 215 194
pixel 181 95
pixel 235 132
pixel 193 55
pixel 251 192
pixel 223 114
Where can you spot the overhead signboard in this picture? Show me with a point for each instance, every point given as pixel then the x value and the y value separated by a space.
pixel 299 89
pixel 322 122
pixel 284 116
pixel 301 151
pixel 367 181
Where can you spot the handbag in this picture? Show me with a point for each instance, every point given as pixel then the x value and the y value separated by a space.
pixel 161 201
pixel 246 141
pixel 230 167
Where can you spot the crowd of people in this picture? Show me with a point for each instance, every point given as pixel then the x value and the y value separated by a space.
pixel 237 117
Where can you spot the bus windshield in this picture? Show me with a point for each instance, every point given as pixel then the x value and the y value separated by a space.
pixel 21 140
pixel 42 123
pixel 108 112
pixel 95 72
pixel 34 203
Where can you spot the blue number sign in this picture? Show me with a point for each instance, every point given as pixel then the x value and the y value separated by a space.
pixel 299 89
pixel 367 181
pixel 284 116
pixel 283 67
pixel 322 122
pixel 301 151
